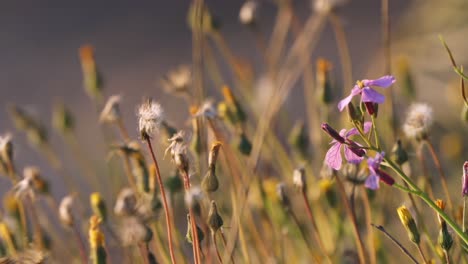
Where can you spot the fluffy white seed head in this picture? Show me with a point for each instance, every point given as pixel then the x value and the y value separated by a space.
pixel 418 121
pixel 111 111
pixel 150 117
pixel 65 210
pixel 248 12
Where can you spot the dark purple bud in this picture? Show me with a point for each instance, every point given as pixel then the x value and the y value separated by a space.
pixel 355 148
pixel 465 179
pixel 385 177
pixel 332 132
pixel 370 108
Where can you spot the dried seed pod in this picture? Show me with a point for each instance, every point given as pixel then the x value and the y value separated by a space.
pixel 188 235
pixel 215 222
pixel 210 182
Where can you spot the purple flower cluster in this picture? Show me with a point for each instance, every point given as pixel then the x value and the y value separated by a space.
pixel 354 152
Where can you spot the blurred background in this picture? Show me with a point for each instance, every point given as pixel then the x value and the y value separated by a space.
pixel 136 43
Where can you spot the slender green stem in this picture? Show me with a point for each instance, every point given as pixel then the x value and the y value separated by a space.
pixel 376 134
pixel 464 215
pixel 425 197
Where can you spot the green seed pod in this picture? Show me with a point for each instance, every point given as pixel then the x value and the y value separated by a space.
pixel 98 206
pixel 405 78
pixel 141 172
pixel 234 109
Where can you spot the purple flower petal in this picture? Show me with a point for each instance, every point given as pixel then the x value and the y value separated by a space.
pixel 343 103
pixel 333 157
pixel 371 95
pixel 351 157
pixel 383 82
pixel 367 127
pixel 372 182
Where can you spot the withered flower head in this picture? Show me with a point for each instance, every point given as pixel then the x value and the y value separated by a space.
pixel 111 111
pixel 178 80
pixel 299 179
pixel 418 121
pixel 248 12
pixel 133 231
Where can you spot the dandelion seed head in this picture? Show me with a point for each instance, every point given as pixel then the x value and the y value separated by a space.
pixel 418 121
pixel 65 210
pixel 248 12
pixel 150 117
pixel 134 231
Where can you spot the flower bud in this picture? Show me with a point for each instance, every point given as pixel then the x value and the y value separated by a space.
pixel 324 82
pixel 98 206
pixel 354 114
pixel 233 106
pixel 410 225
pixel 299 180
pixel 243 144
pixel 445 239
pixel 215 222
pixel 332 133
pixel 62 119
pixel 91 77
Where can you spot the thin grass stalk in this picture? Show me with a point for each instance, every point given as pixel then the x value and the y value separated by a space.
pixel 421 253
pixel 315 231
pixel 278 36
pixel 386 43
pixel 144 252
pixel 399 245
pixel 80 244
pixel 357 235
pixel 158 243
pixel 163 194
pixel 370 230
pixel 343 49
pixel 218 255
pixel 304 237
pixel 443 178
